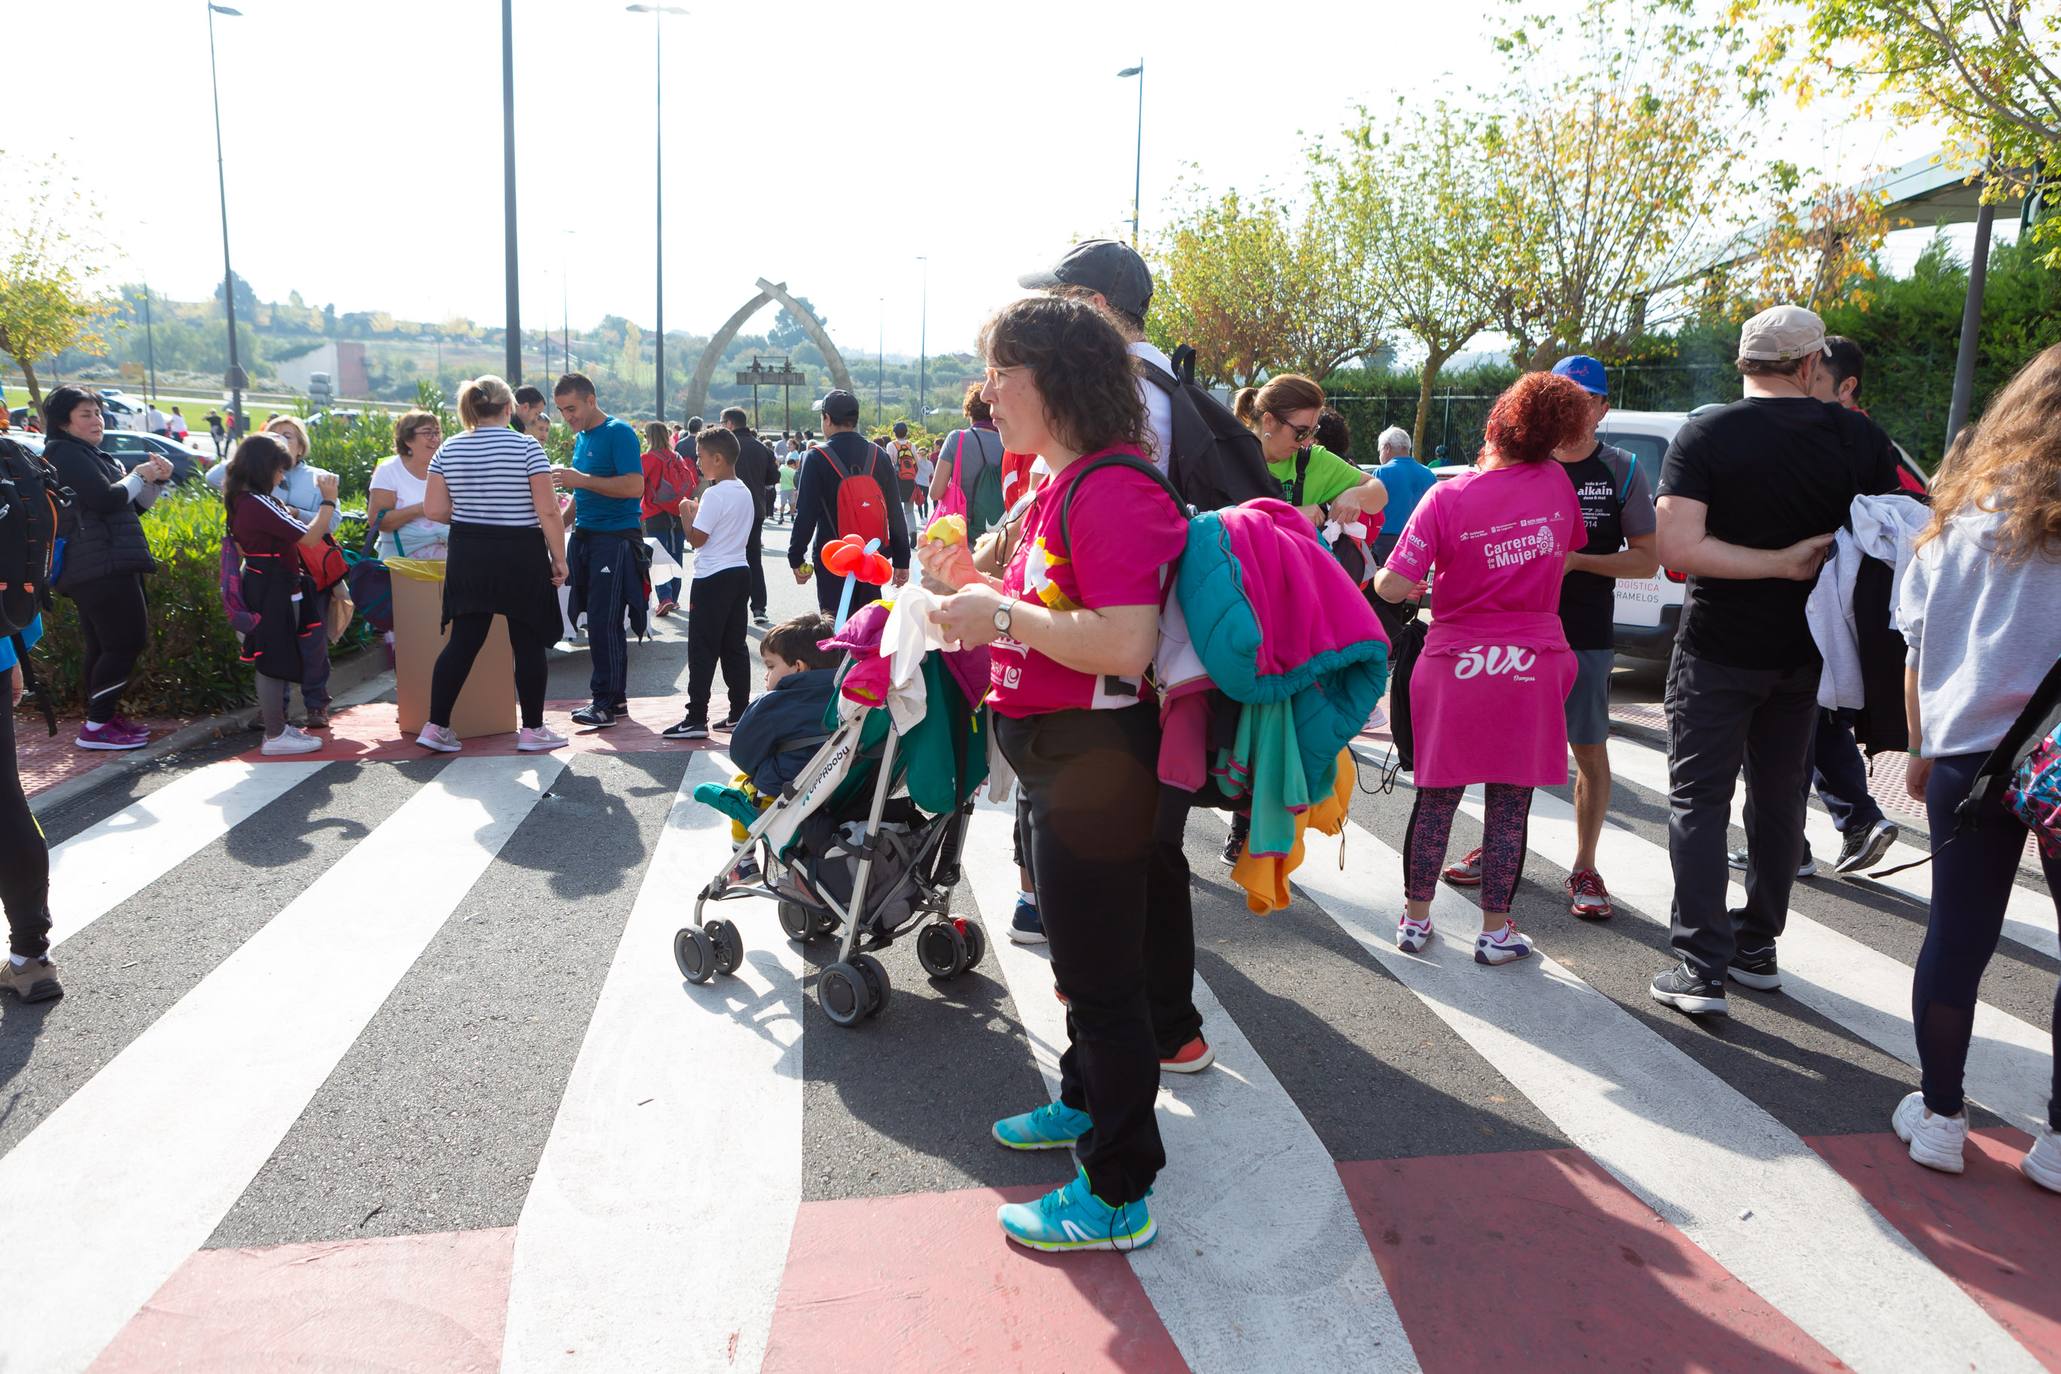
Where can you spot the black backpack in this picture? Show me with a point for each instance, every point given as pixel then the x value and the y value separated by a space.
pixel 1216 461
pixel 31 502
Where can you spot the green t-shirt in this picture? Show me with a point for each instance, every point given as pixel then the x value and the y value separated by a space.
pixel 1327 477
pixel 786 478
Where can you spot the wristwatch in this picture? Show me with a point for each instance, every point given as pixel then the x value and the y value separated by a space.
pixel 1002 617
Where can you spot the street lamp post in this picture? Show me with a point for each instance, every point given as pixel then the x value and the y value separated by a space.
pixel 923 349
pixel 880 366
pixel 149 340
pixel 514 328
pixel 235 376
pixel 1138 162
pixel 658 13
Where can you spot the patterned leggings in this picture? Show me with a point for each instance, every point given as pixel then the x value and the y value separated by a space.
pixel 1502 842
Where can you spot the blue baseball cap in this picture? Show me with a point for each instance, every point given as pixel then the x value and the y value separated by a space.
pixel 1585 372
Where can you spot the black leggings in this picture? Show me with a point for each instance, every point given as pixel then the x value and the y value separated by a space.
pixel 115 626
pixel 1111 915
pixel 1972 872
pixel 1503 835
pixel 454 664
pixel 25 872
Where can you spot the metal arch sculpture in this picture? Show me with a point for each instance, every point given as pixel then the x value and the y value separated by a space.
pixel 769 292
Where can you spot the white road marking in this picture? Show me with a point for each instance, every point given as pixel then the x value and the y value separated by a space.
pixel 1736 1182
pixel 1260 1261
pixel 2010 1062
pixel 104 865
pixel 142 1163
pixel 656 1230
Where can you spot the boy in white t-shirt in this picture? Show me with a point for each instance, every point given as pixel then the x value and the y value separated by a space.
pixel 718 529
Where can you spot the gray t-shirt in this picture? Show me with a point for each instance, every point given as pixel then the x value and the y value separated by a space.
pixel 1982 633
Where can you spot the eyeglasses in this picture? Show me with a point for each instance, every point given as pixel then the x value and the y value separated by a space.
pixel 996 374
pixel 1300 433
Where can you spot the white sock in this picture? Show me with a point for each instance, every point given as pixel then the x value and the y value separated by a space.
pixel 1027 897
pixel 18 960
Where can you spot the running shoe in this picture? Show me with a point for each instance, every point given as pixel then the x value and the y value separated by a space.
pixel 1234 844
pixel 130 727
pixel 538 740
pixel 315 718
pixel 1684 989
pixel 594 715
pixel 729 722
pixel 747 871
pixel 666 608
pixel 109 736
pixel 1054 1126
pixel 1807 869
pixel 440 738
pixel 1935 1140
pixel 1026 927
pixel 1586 895
pixel 1466 873
pixel 1193 1057
pixel 33 980
pixel 1503 946
pixel 289 741
pixel 762 620
pixel 1411 937
pixel 2042 1163
pixel 1073 1218
pixel 1756 969
pixel 688 728
pixel 1860 851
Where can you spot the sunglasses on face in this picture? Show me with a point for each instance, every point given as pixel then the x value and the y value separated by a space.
pixel 1300 433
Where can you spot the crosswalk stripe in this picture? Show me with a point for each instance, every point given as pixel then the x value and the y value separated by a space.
pixel 104 865
pixel 2010 1063
pixel 674 1164
pixel 1260 1260
pixel 144 1161
pixel 1747 1191
pixel 2028 918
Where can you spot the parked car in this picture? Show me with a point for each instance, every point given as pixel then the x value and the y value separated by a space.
pixel 129 448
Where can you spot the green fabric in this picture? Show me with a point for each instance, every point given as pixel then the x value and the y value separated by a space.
pixel 925 758
pixel 1327 478
pixel 1280 789
pixel 731 801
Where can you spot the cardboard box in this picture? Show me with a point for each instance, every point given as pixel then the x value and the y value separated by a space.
pixel 486 705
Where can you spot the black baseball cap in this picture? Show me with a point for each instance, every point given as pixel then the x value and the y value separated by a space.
pixel 840 407
pixel 1103 265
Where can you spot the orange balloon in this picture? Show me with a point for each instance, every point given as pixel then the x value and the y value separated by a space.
pixel 839 556
pixel 875 569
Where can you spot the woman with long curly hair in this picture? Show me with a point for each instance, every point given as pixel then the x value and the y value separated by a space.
pixel 1073 626
pixel 1499 536
pixel 1981 616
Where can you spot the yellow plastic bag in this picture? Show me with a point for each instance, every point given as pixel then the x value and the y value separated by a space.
pixel 420 569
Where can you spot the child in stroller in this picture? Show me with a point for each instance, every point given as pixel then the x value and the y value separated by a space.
pixel 860 842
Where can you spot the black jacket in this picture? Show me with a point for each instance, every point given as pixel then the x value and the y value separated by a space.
pixel 103 534
pixel 757 470
pixel 815 504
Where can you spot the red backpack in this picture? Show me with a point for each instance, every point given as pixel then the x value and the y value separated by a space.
pixel 670 481
pixel 861 506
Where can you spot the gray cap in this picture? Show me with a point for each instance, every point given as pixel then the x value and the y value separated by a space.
pixel 840 407
pixel 1103 265
pixel 1782 334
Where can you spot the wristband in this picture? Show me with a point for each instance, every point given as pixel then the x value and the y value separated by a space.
pixel 331 504
pixel 1914 753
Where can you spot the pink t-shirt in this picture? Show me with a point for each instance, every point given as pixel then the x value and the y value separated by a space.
pixel 1124 532
pixel 1496 652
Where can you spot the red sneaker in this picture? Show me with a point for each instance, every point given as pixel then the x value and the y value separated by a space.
pixel 1466 873
pixel 1193 1057
pixel 1586 895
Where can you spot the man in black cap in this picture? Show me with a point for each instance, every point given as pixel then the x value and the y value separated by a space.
pixel 1114 277
pixel 844 455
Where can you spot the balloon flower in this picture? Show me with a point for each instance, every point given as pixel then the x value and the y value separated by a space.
pixel 855 562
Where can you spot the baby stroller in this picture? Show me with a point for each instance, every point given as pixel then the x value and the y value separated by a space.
pixel 863 846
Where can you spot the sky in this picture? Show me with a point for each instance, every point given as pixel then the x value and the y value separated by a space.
pixel 362 141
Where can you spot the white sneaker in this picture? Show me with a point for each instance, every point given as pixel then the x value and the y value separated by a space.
pixel 1377 721
pixel 439 738
pixel 1503 946
pixel 1935 1141
pixel 535 741
pixel 290 740
pixel 1411 937
pixel 2042 1163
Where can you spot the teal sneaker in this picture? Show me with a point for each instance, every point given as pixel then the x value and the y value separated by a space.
pixel 1054 1126
pixel 1073 1218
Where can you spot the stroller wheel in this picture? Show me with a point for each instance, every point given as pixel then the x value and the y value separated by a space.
pixel 695 954
pixel 798 922
pixel 729 945
pixel 845 993
pixel 942 950
pixel 976 943
pixel 876 977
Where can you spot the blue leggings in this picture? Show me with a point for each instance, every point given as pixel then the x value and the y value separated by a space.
pixel 1971 882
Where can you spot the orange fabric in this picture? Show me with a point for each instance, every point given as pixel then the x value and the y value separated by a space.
pixel 1265 876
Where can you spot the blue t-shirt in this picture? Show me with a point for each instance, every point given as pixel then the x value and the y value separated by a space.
pixel 29 637
pixel 609 449
pixel 1406 481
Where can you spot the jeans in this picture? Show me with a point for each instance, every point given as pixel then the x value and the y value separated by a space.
pixel 1839 774
pixel 454 665
pixel 715 635
pixel 612 578
pixel 1111 915
pixel 1972 871
pixel 315 657
pixel 114 627
pixel 1719 717
pixel 25 876
pixel 666 530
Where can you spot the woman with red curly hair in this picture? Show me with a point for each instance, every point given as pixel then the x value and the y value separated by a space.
pixel 1499 537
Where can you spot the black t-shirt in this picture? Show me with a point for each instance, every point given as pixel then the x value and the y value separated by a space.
pixel 1773 471
pixel 1617 505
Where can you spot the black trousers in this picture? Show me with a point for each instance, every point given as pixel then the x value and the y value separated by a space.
pixel 754 553
pixel 1113 917
pixel 114 626
pixel 25 871
pixel 1718 718
pixel 716 604
pixel 454 665
pixel 830 590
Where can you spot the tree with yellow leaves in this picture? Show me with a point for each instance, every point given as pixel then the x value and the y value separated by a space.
pixel 50 293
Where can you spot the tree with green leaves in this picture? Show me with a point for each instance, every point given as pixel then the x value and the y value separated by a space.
pixel 50 296
pixel 1220 285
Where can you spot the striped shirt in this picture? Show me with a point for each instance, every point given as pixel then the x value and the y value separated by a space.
pixel 488 471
